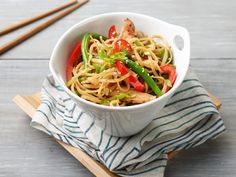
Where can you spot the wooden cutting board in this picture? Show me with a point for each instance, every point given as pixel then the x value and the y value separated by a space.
pixel 29 104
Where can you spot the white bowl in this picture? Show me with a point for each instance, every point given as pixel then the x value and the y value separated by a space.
pixel 121 121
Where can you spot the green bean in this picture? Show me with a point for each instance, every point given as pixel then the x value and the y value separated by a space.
pixel 144 75
pixel 85 44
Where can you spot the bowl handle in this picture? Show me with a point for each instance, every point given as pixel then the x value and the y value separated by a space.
pixel 181 40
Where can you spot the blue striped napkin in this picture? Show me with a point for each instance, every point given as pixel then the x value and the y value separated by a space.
pixel 188 119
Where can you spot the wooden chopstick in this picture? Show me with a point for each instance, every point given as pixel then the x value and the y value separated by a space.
pixel 35 18
pixel 4 48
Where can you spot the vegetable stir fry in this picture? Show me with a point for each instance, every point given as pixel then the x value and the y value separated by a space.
pixel 123 69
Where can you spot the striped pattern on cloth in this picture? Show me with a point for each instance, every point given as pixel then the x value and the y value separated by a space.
pixel 188 119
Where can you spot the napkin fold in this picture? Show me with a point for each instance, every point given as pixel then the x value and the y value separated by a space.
pixel 188 119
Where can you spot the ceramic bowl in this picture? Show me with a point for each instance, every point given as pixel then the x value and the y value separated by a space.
pixel 121 121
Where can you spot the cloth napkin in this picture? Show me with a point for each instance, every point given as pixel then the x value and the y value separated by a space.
pixel 188 119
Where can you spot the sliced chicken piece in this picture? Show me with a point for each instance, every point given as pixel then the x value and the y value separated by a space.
pixel 139 97
pixel 128 29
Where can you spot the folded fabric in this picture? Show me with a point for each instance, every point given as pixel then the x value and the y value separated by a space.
pixel 188 119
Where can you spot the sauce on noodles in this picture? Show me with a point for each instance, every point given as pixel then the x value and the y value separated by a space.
pixel 124 69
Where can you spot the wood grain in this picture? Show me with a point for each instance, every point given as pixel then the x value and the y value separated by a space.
pixel 34 18
pixel 9 45
pixel 211 23
pixel 29 105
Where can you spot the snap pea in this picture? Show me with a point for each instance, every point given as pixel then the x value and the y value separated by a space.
pixel 160 52
pixel 144 75
pixel 85 44
pixel 121 96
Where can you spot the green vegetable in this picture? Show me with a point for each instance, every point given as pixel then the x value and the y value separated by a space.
pixel 144 75
pixel 77 93
pixel 111 58
pixel 84 78
pixel 119 55
pixel 168 83
pixel 69 82
pixel 116 97
pixel 160 52
pixel 102 68
pixel 105 102
pixel 99 68
pixel 103 55
pixel 141 53
pixel 120 96
pixel 137 44
pixel 85 44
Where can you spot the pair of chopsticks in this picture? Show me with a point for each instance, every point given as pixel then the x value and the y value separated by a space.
pixel 74 5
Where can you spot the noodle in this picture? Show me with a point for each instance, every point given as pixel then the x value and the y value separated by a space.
pixel 101 80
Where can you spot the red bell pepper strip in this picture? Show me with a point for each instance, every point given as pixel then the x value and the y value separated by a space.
pixel 138 86
pixel 170 70
pixel 121 44
pixel 121 67
pixel 112 32
pixel 76 54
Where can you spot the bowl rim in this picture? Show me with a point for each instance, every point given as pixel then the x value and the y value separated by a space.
pixel 111 108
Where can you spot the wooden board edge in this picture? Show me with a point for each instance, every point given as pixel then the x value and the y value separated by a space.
pixel 95 167
pixel 29 103
pixel 24 105
pixel 215 100
pixel 92 165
